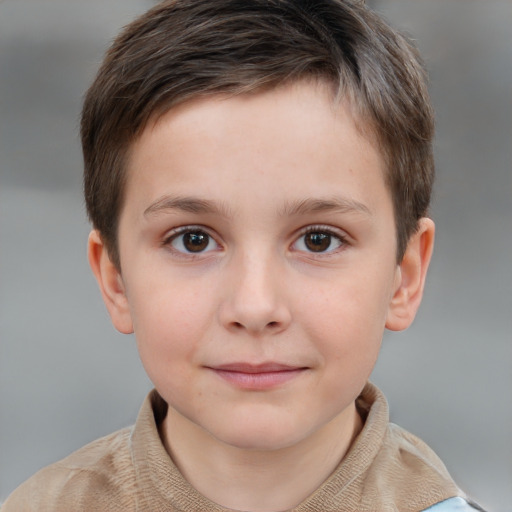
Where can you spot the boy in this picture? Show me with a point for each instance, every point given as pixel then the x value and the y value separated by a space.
pixel 258 175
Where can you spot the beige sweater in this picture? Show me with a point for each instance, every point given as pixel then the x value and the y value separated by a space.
pixel 386 469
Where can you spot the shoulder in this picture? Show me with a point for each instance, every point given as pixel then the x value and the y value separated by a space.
pixel 454 505
pixel 85 480
pixel 413 453
pixel 420 459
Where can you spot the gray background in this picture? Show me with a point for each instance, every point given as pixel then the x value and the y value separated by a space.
pixel 66 377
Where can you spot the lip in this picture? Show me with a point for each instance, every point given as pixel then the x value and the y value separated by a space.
pixel 257 377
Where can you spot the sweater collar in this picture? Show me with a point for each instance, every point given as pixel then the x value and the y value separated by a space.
pixel 383 466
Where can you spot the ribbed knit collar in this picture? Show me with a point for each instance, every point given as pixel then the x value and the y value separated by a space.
pixel 353 486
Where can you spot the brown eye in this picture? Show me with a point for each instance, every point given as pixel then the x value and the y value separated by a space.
pixel 193 242
pixel 196 242
pixel 317 241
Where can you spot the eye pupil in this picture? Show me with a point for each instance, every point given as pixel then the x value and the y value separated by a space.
pixel 196 241
pixel 317 242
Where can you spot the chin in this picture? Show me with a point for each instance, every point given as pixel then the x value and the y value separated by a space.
pixel 261 443
pixel 261 436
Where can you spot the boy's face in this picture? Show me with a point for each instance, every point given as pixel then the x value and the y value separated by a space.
pixel 257 245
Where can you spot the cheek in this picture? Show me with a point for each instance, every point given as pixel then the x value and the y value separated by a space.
pixel 346 319
pixel 169 322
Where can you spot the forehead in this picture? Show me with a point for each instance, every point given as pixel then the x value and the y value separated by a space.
pixel 295 95
pixel 292 138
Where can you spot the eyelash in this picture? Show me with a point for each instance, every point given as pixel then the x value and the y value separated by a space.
pixel 324 230
pixel 176 233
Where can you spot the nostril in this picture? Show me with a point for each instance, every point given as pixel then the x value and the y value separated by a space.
pixel 239 325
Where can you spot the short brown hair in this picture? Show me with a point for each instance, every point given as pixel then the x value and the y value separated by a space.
pixel 183 49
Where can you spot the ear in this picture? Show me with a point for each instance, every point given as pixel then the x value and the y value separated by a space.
pixel 411 275
pixel 110 283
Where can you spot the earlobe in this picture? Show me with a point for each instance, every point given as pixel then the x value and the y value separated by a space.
pixel 110 283
pixel 411 276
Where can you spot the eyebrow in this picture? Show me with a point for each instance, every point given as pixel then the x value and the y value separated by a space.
pixel 334 204
pixel 298 207
pixel 186 204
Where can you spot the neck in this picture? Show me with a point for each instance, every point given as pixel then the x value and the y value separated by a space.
pixel 258 480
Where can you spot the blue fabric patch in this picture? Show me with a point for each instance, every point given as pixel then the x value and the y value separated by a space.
pixel 452 505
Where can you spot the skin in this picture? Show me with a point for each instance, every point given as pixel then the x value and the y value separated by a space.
pixel 248 178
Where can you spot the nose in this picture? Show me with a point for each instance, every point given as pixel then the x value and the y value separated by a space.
pixel 254 298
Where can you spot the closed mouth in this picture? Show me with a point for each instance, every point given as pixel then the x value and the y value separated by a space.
pixel 256 368
pixel 257 377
